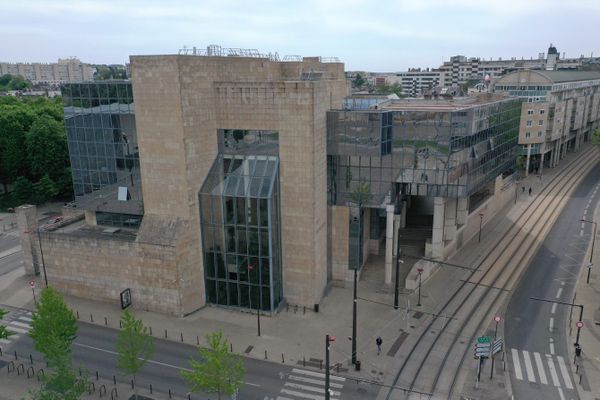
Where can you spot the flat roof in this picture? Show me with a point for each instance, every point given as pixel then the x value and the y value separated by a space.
pixel 454 104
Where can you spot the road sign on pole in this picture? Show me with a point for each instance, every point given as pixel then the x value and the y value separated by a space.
pixel 484 339
pixel 32 284
pixel 497 346
pixel 483 350
pixel 579 324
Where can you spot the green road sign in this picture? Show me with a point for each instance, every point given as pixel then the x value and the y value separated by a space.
pixel 484 339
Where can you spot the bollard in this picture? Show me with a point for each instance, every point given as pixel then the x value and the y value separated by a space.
pixel 79 371
pixel 169 393
pixel 77 312
pixel 105 321
pixel 304 310
pixel 287 308
pixel 10 364
pixel 295 308
pixel 102 390
pixel 32 371
pixel 150 328
pixel 91 388
pixel 116 394
pixel 1 352
pixel 91 318
pixel 197 340
pixel 41 374
pixel 580 376
pixel 20 369
pixel 165 333
pixel 320 364
pixel 265 354
pixel 16 356
pixel 150 388
pixel 189 396
pixel 182 336
pixel 114 380
pixel 97 376
pixel 576 368
pixel 120 324
pixel 282 359
pixel 230 347
pixel 304 362
pixel 338 368
pixel 132 384
pixel 30 359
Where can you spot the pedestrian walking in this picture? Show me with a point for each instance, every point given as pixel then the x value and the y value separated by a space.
pixel 530 191
pixel 378 341
pixel 523 189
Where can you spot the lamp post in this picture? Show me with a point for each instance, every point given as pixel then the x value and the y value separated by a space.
pixel 354 311
pixel 328 340
pixel 497 320
pixel 592 251
pixel 579 323
pixel 420 270
pixel 480 225
pixel 397 280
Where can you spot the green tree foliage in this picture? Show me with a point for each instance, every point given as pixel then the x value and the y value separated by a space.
pixel 46 189
pixel 47 150
pixel 394 88
pixel 362 193
pixel 104 72
pixel 53 330
pixel 521 160
pixel 219 371
pixel 134 346
pixel 22 191
pixel 359 81
pixel 4 332
pixel 596 138
pixel 13 82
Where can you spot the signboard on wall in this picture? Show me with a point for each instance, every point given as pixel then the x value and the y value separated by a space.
pixel 125 298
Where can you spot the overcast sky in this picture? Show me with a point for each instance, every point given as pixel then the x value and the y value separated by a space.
pixel 372 35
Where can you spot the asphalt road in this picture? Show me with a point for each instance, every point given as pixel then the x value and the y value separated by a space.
pixel 536 332
pixel 10 262
pixel 94 350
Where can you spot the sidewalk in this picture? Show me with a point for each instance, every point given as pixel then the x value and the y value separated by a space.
pixel 589 296
pixel 296 335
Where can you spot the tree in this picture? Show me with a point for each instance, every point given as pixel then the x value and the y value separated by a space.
pixel 47 150
pixel 53 330
pixel 53 327
pixel 394 88
pixel 596 138
pixel 219 372
pixel 46 189
pixel 22 191
pixel 521 160
pixel 134 346
pixel 362 193
pixel 359 81
pixel 4 332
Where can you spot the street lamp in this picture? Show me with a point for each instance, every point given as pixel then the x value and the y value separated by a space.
pixel 397 281
pixel 420 270
pixel 480 224
pixel 328 340
pixel 592 251
pixel 354 311
pixel 497 320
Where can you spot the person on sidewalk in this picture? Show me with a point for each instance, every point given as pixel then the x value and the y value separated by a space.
pixel 530 191
pixel 378 341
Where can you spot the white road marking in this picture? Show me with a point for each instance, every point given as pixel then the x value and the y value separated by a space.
pixel 581 232
pixel 559 293
pixel 582 225
pixel 303 395
pixel 552 348
pixel 21 324
pixel 540 367
pixel 23 318
pixel 553 308
pixel 561 394
pixel 565 372
pixel 517 364
pixel 528 366
pixel 150 361
pixel 318 375
pixel 314 381
pixel 309 388
pixel 17 330
pixel 551 324
pixel 552 369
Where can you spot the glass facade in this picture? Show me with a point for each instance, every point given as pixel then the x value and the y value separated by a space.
pixel 443 152
pixel 240 222
pixel 103 147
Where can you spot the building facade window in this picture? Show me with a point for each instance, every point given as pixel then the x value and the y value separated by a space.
pixel 529 123
pixel 541 122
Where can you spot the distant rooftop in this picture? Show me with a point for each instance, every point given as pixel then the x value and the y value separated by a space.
pixel 454 104
pixel 570 76
pixel 214 50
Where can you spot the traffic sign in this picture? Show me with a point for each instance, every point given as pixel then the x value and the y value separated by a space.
pixel 484 339
pixel 32 283
pixel 497 318
pixel 483 349
pixel 579 324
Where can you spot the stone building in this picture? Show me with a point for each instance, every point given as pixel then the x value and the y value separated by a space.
pixel 229 177
pixel 65 70
pixel 562 109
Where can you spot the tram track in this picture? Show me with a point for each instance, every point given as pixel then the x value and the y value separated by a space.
pixel 498 271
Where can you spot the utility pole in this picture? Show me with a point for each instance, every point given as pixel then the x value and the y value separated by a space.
pixel 420 270
pixel 497 320
pixel 397 281
pixel 592 251
pixel 328 340
pixel 480 225
pixel 354 311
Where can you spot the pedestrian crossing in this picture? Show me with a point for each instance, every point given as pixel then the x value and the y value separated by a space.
pixel 541 368
pixel 19 323
pixel 302 384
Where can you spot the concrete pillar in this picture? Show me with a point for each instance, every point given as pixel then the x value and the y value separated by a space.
pixel 542 156
pixel 528 158
pixel 90 218
pixel 27 224
pixel 462 210
pixel 403 211
pixel 437 233
pixel 389 239
pixel 450 219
